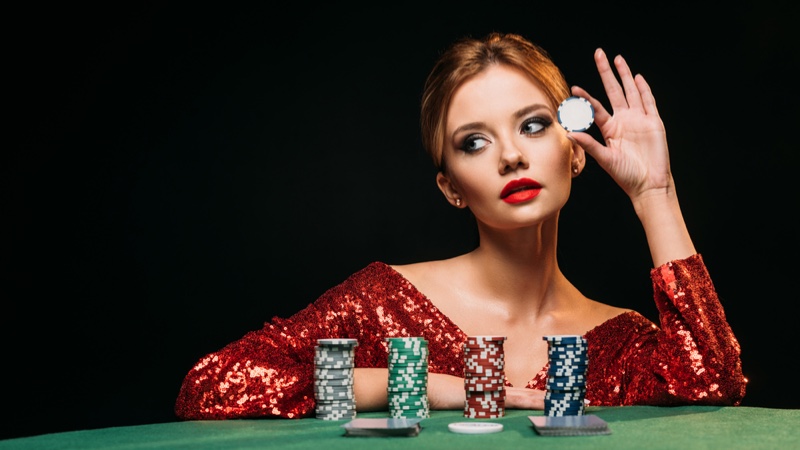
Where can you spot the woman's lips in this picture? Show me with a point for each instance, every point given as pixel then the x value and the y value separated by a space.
pixel 520 190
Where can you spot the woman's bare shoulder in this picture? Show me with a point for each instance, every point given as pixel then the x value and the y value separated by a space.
pixel 423 269
pixel 431 276
pixel 603 312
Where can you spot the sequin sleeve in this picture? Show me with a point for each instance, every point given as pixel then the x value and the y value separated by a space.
pixel 269 372
pixel 693 357
pixel 265 373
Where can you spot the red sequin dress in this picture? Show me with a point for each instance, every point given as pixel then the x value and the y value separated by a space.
pixel 693 357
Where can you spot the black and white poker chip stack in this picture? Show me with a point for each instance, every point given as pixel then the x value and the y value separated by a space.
pixel 484 377
pixel 566 376
pixel 407 388
pixel 334 361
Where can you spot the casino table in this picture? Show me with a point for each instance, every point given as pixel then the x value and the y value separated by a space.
pixel 632 427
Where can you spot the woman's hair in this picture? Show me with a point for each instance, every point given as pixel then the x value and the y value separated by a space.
pixel 468 57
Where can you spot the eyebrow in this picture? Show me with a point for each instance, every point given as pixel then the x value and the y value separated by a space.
pixel 529 109
pixel 517 115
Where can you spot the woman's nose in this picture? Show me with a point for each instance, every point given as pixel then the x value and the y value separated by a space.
pixel 512 158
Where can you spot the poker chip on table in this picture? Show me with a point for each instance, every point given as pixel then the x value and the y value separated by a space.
pixel 407 387
pixel 484 377
pixel 475 427
pixel 568 360
pixel 334 363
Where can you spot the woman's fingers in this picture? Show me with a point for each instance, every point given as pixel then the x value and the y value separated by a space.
pixel 614 92
pixel 632 95
pixel 524 398
pixel 648 100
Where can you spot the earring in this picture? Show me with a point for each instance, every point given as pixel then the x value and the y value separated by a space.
pixel 458 202
pixel 575 170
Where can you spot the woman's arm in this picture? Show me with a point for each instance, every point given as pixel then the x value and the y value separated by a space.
pixel 444 392
pixel 370 386
pixel 636 156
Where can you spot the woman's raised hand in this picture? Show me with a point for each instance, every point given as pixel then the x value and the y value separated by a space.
pixel 635 153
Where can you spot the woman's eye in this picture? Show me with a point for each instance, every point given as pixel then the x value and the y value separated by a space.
pixel 473 144
pixel 535 125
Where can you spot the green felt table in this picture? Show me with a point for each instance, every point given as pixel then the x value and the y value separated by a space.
pixel 632 427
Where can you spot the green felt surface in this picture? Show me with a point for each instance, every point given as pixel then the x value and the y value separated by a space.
pixel 635 427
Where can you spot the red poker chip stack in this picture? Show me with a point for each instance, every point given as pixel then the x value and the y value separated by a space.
pixel 484 377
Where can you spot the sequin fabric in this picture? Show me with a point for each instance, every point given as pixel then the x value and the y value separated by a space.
pixel 691 357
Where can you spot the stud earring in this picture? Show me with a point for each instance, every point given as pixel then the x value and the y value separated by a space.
pixel 458 202
pixel 575 169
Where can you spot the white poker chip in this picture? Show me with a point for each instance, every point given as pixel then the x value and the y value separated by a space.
pixel 575 114
pixel 475 427
pixel 338 341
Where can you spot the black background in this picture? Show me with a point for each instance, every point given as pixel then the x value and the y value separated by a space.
pixel 175 175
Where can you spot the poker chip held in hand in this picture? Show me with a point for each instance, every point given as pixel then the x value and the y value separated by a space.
pixel 575 114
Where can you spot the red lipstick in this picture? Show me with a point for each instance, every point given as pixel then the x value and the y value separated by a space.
pixel 520 190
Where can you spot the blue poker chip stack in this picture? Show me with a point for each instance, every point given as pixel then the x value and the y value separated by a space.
pixel 334 362
pixel 566 375
pixel 407 388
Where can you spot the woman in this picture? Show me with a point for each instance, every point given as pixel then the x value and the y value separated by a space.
pixel 489 122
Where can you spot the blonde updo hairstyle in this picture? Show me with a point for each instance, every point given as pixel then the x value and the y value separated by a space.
pixel 468 57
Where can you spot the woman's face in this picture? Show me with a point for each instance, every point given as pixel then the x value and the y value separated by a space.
pixel 507 158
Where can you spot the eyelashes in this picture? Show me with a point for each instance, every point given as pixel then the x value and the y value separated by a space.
pixel 473 143
pixel 531 127
pixel 535 125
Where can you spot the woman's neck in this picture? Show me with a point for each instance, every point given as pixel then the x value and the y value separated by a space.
pixel 519 266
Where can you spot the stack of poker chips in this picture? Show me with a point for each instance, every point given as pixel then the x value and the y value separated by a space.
pixel 334 361
pixel 566 376
pixel 484 377
pixel 407 388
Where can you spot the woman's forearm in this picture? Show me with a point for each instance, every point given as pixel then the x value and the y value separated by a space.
pixel 370 388
pixel 667 235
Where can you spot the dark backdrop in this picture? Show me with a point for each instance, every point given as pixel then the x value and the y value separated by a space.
pixel 177 175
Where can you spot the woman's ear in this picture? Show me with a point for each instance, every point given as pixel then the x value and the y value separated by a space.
pixel 578 158
pixel 449 190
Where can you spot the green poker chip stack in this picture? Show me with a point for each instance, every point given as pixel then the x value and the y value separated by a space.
pixel 408 377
